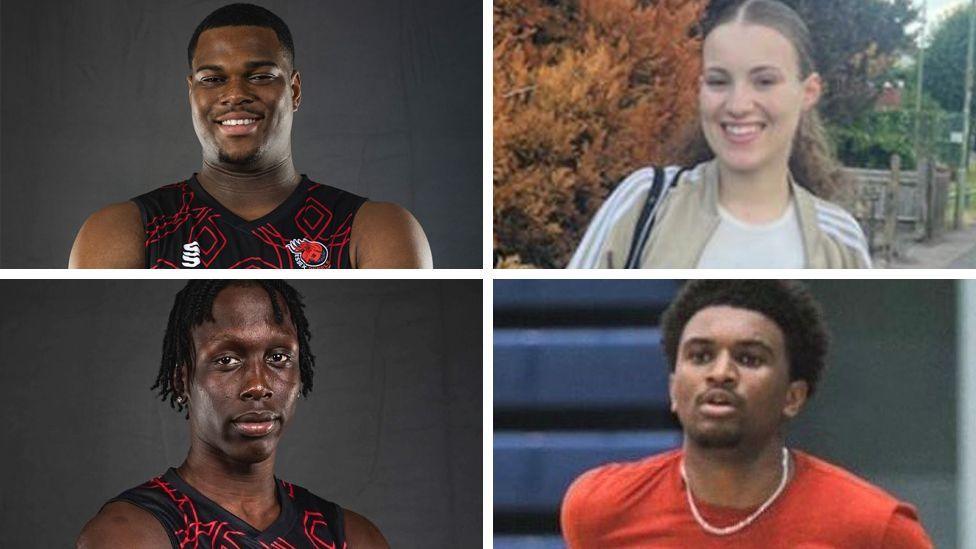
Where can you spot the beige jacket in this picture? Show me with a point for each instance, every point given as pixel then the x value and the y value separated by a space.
pixel 688 215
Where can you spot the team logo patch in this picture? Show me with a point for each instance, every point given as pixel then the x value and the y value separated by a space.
pixel 309 254
pixel 191 254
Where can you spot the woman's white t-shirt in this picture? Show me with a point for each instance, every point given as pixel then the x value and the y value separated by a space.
pixel 738 245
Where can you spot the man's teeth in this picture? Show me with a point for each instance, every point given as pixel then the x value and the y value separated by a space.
pixel 244 121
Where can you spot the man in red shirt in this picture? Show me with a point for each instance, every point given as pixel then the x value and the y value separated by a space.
pixel 745 355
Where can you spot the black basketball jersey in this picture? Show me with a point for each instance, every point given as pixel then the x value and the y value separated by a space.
pixel 188 228
pixel 194 521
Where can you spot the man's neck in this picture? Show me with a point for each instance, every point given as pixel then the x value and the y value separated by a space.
pixel 755 197
pixel 736 478
pixel 245 489
pixel 250 194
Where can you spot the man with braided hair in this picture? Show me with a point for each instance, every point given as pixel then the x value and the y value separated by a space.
pixel 744 356
pixel 235 358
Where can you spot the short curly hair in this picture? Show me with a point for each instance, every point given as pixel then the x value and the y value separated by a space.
pixel 788 303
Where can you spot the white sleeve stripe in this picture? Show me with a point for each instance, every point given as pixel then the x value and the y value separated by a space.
pixel 620 201
pixel 855 242
pixel 845 228
pixel 838 214
pixel 842 219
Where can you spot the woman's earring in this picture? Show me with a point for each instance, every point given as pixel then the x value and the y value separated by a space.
pixel 181 400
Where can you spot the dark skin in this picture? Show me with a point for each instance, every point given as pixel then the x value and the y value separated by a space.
pixel 244 363
pixel 733 453
pixel 243 72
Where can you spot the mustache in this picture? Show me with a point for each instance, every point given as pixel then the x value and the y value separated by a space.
pixel 216 115
pixel 724 394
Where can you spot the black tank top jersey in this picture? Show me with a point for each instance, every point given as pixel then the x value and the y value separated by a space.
pixel 188 228
pixel 194 521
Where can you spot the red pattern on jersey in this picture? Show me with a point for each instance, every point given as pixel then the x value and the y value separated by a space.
pixel 313 520
pixel 313 221
pixel 219 533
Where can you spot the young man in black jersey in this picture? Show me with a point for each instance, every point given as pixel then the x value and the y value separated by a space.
pixel 248 206
pixel 236 357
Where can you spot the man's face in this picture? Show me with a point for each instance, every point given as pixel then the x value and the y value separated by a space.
pixel 243 93
pixel 245 378
pixel 731 381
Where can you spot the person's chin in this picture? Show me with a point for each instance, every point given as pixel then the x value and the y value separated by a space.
pixel 716 436
pixel 238 158
pixel 254 451
pixel 741 161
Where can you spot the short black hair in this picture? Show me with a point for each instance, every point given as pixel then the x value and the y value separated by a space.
pixel 788 303
pixel 241 15
pixel 194 305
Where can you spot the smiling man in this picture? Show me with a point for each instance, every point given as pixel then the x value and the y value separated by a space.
pixel 248 207
pixel 236 357
pixel 745 355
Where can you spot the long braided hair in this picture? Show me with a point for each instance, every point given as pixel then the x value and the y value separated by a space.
pixel 194 305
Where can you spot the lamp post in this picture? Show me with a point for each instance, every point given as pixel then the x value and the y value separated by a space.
pixel 920 80
pixel 964 147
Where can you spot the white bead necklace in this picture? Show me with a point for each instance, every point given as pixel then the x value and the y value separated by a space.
pixel 744 522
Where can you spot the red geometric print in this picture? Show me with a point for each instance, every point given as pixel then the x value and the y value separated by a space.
pixel 162 226
pixel 313 218
pixel 185 228
pixel 219 533
pixel 313 520
pixel 290 487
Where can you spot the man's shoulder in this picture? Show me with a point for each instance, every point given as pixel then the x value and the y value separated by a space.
pixel 843 486
pixel 122 524
pixel 387 235
pixel 359 531
pixel 598 497
pixel 866 508
pixel 112 237
pixel 611 480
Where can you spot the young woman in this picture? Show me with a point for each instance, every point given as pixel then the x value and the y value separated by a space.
pixel 757 196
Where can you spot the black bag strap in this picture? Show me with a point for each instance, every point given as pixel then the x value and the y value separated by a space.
pixel 642 231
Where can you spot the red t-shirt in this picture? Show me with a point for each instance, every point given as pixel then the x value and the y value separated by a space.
pixel 643 504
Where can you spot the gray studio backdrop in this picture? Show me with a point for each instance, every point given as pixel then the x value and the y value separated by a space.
pixel 392 428
pixel 95 111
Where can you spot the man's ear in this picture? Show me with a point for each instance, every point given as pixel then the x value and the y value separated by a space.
pixel 796 397
pixel 671 393
pixel 296 90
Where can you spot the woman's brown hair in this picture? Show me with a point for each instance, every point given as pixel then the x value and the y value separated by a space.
pixel 812 162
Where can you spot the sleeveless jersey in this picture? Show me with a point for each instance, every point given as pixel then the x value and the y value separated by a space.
pixel 188 228
pixel 193 521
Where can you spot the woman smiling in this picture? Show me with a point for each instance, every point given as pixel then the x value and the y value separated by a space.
pixel 757 196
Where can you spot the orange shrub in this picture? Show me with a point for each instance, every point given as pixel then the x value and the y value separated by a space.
pixel 585 92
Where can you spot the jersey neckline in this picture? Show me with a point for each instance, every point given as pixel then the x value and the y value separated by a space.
pixel 279 528
pixel 288 204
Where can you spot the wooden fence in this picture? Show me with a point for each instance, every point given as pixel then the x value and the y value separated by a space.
pixel 918 214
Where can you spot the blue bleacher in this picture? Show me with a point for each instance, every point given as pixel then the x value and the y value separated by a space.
pixel 529 542
pixel 534 469
pixel 579 294
pixel 579 367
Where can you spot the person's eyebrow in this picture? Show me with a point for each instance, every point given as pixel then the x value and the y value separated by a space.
pixel 250 66
pixel 764 68
pixel 698 341
pixel 757 344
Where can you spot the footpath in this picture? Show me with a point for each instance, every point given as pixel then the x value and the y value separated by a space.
pixel 953 250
